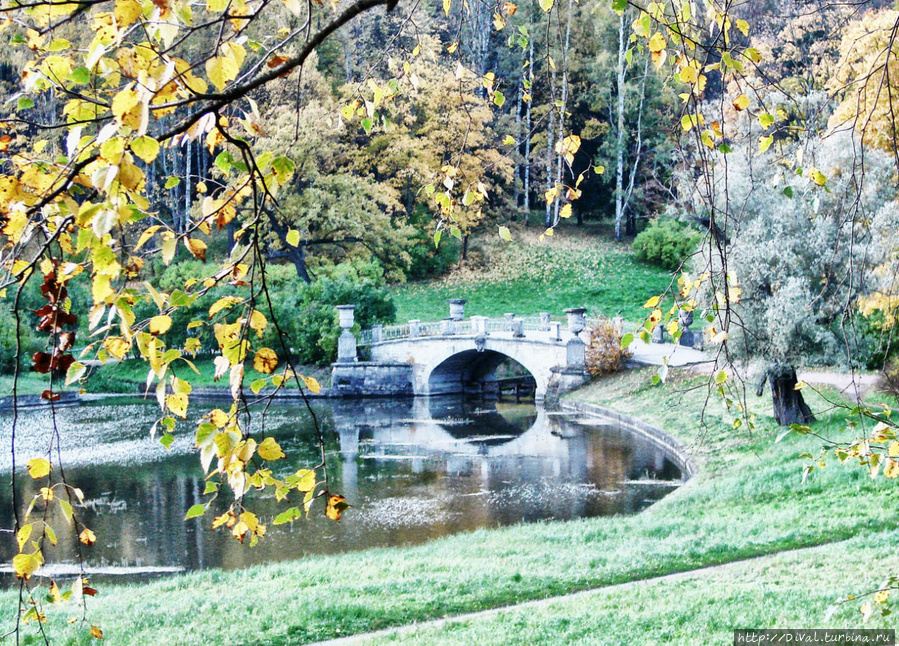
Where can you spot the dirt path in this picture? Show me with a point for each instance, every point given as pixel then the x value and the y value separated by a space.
pixel 407 629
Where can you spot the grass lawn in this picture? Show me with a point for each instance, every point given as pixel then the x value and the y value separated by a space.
pixel 747 500
pixel 576 267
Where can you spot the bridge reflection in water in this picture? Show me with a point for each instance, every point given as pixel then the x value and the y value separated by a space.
pixel 412 470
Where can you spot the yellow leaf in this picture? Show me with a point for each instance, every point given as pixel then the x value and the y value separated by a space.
pixel 817 177
pixel 221 70
pixel 38 467
pixel 305 480
pixel 258 322
pixel 891 469
pixel 222 304
pixel 765 143
pixel 293 238
pixel 177 403
pixel 893 450
pixel 565 211
pixel 96 633
pixel 27 564
pixel 546 5
pixel 549 233
pixel 101 290
pixel 127 12
pixel 123 102
pixel 269 450
pixel 265 361
pixel 652 302
pixel 741 102
pixel 447 5
pixel 160 324
pixel 657 42
pixel 146 148
pixel 87 537
pixel 743 26
pixel 117 347
pixel 196 247
pixel 312 384
pixel 336 506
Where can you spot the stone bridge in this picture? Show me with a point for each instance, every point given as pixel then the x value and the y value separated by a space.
pixel 456 353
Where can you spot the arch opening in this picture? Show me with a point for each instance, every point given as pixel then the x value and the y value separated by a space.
pixel 487 374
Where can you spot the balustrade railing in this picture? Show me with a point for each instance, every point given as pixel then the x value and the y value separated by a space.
pixel 465 327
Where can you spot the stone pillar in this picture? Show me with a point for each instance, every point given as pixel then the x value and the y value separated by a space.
pixel 508 321
pixel 577 320
pixel 414 328
pixel 447 327
pixel 544 321
pixel 518 328
pixel 457 308
pixel 555 331
pixel 376 333
pixel 576 353
pixel 346 344
pixel 479 325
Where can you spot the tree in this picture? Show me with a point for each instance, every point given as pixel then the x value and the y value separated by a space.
pixel 106 88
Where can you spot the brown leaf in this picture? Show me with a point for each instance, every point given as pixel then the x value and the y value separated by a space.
pixel 50 396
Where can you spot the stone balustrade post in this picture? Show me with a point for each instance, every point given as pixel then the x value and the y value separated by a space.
pixel 346 343
pixel 576 353
pixel 555 331
pixel 414 328
pixel 509 317
pixel 479 325
pixel 544 321
pixel 376 333
pixel 457 308
pixel 518 328
pixel 447 327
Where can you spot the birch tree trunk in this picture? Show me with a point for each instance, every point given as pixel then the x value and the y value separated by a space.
pixel 619 144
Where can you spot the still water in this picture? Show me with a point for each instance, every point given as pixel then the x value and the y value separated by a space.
pixel 412 470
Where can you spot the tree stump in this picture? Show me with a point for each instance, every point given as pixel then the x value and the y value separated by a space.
pixel 789 405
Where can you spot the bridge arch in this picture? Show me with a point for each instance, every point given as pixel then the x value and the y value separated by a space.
pixel 454 364
pixel 468 366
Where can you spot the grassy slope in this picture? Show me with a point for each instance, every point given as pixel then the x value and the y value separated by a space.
pixel 527 277
pixel 747 500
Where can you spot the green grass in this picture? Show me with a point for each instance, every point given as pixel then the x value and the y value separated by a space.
pixel 747 500
pixel 576 267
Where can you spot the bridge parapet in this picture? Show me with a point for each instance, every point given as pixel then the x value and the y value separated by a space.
pixel 474 326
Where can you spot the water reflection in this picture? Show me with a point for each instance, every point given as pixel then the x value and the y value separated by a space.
pixel 413 470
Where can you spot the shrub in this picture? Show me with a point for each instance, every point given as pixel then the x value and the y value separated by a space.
pixel 666 243
pixel 309 317
pixel 604 352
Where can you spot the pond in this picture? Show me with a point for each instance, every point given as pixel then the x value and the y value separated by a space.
pixel 413 470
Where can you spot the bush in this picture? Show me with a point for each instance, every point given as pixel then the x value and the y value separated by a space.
pixel 309 318
pixel 666 243
pixel 604 352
